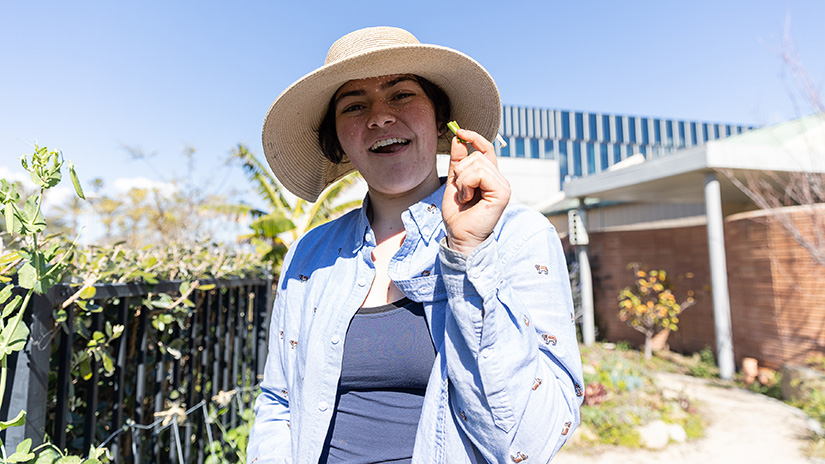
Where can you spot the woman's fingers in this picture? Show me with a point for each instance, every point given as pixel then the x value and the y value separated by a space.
pixel 460 150
pixel 476 192
pixel 477 172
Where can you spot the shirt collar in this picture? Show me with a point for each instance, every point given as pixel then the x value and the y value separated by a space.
pixel 426 216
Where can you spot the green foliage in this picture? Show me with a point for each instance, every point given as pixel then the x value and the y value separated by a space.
pixel 812 404
pixel 816 361
pixel 703 364
pixel 233 447
pixel 612 426
pixel 623 345
pixel 772 389
pixel 694 427
pixel 22 453
pixel 620 395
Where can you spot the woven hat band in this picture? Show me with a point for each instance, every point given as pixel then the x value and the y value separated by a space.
pixel 364 40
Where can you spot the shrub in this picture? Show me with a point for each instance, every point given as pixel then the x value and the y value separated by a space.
pixel 649 306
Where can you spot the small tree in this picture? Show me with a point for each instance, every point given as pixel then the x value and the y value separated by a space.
pixel 649 306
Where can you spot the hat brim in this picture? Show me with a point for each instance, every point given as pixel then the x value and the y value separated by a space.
pixel 290 130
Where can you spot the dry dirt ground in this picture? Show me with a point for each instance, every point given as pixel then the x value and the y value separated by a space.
pixel 743 427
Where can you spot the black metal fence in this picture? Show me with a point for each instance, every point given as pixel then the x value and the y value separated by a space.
pixel 162 372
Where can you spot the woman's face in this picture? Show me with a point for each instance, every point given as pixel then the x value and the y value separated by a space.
pixel 386 126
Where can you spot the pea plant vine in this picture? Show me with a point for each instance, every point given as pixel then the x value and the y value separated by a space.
pixel 39 263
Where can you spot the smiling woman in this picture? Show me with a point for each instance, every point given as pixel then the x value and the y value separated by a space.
pixel 416 328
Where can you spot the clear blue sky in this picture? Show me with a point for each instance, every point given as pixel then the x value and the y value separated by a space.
pixel 88 77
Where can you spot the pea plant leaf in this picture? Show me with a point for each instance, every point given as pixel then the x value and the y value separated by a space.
pixel 47 456
pixel 32 220
pixel 20 419
pixel 8 213
pixel 5 294
pixel 23 452
pixel 13 338
pixel 9 308
pixel 27 276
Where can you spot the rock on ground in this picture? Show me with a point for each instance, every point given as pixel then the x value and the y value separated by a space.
pixel 743 427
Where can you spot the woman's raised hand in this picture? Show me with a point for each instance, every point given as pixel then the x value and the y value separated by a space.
pixel 476 192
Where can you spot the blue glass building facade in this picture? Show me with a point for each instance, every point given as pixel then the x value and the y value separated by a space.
pixel 587 143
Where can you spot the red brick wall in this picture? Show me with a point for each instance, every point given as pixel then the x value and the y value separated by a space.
pixel 777 291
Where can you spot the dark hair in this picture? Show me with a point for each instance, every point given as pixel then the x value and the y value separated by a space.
pixel 328 137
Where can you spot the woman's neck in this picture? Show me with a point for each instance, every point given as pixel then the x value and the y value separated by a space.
pixel 385 211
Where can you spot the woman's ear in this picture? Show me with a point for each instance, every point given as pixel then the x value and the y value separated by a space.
pixel 442 128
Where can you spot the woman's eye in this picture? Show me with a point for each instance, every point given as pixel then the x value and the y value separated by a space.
pixel 351 108
pixel 403 95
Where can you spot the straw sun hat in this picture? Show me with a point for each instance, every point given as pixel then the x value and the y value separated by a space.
pixel 290 132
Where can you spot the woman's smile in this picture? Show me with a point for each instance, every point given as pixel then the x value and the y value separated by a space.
pixel 389 145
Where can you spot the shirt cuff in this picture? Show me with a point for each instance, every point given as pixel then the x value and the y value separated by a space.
pixel 455 260
pixel 481 267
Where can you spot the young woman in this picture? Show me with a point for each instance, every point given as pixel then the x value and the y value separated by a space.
pixel 435 323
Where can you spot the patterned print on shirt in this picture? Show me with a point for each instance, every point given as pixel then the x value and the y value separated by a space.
pixel 566 427
pixel 519 457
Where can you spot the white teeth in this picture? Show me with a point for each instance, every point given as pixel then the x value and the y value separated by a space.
pixel 385 142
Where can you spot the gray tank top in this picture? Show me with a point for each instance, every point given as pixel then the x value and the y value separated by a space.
pixel 388 356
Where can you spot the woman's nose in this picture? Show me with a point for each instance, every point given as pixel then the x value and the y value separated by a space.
pixel 380 115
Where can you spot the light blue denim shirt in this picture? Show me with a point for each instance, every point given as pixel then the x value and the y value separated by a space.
pixel 506 385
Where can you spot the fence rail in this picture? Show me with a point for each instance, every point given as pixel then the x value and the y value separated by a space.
pixel 159 370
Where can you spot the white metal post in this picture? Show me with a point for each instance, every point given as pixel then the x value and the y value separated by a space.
pixel 579 237
pixel 719 276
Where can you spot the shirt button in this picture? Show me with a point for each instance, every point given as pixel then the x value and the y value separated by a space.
pixel 362 282
pixel 335 339
pixel 485 353
pixel 322 406
pixel 368 237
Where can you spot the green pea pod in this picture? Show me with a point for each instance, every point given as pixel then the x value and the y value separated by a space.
pixel 454 127
pixel 76 181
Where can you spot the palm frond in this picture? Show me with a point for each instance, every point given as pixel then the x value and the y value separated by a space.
pixel 272 225
pixel 323 210
pixel 264 181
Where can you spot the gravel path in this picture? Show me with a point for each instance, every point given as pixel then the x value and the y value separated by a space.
pixel 743 427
